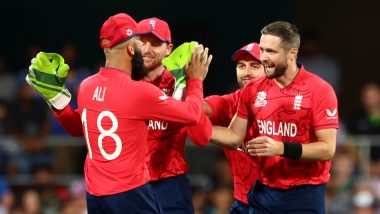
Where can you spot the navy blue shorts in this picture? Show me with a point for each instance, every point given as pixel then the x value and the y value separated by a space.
pixel 304 199
pixel 138 200
pixel 174 194
pixel 239 207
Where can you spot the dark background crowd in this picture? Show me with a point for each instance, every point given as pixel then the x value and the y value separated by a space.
pixel 41 167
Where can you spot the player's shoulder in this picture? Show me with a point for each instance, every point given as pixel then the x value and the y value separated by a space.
pixel 143 86
pixel 88 80
pixel 314 80
pixel 255 83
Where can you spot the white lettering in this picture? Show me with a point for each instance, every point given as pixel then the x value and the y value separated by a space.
pixel 293 130
pixel 157 125
pixel 279 131
pixel 282 129
pixel 260 126
pixel 99 94
pixel 286 129
pixel 150 124
pixel 269 126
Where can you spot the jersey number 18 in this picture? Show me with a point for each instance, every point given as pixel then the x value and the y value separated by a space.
pixel 103 133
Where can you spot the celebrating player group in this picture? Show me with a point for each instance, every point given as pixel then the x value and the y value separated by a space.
pixel 278 131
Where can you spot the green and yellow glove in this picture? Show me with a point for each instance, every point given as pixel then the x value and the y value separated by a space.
pixel 176 63
pixel 47 75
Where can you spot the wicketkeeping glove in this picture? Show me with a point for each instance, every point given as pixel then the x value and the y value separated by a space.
pixel 47 75
pixel 176 63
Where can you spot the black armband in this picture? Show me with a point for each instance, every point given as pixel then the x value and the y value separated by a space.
pixel 292 150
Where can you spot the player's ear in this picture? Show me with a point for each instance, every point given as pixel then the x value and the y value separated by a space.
pixel 294 52
pixel 169 49
pixel 131 49
pixel 133 45
pixel 105 41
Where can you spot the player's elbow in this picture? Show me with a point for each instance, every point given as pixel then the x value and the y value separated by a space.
pixel 193 121
pixel 328 154
pixel 232 145
pixel 327 157
pixel 235 141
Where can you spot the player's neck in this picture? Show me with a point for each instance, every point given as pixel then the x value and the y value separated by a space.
pixel 123 65
pixel 155 73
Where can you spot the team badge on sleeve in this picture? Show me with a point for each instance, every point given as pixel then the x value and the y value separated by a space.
pixel 331 114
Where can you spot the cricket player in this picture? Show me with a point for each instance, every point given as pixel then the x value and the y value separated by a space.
pixel 166 141
pixel 221 110
pixel 295 118
pixel 113 113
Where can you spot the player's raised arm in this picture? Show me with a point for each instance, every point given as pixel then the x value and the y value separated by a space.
pixel 172 110
pixel 200 134
pixel 47 75
pixel 70 120
pixel 199 64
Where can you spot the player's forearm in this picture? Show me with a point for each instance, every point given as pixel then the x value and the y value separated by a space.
pixel 318 151
pixel 70 120
pixel 194 95
pixel 200 134
pixel 323 148
pixel 207 109
pixel 172 110
pixel 169 109
pixel 225 137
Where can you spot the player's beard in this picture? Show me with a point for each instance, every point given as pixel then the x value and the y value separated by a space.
pixel 152 64
pixel 279 70
pixel 138 70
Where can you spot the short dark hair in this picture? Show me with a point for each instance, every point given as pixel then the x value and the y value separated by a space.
pixel 287 32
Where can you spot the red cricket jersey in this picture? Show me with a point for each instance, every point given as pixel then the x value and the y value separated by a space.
pixel 166 141
pixel 290 114
pixel 243 167
pixel 115 111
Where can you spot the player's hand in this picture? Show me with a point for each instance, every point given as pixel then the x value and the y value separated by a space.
pixel 47 75
pixel 265 146
pixel 176 63
pixel 199 64
pixel 180 57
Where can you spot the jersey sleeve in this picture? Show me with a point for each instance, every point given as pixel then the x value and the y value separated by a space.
pixel 219 110
pixel 243 110
pixel 325 108
pixel 200 134
pixel 155 105
pixel 70 120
